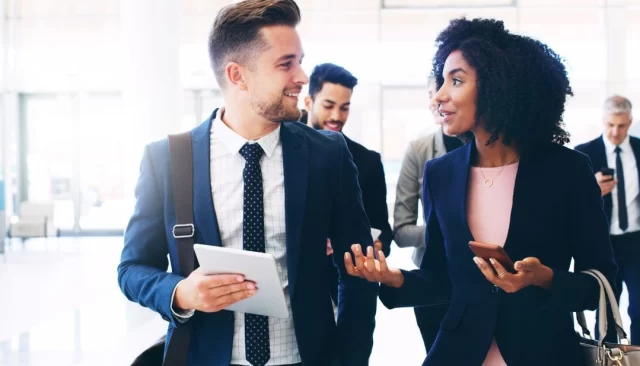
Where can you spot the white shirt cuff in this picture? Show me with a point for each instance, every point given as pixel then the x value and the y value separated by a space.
pixel 181 315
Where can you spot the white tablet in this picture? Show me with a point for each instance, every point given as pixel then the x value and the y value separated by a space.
pixel 260 268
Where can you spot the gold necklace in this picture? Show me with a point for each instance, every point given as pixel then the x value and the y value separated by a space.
pixel 488 182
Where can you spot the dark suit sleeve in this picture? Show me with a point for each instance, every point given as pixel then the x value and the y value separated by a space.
pixel 429 285
pixel 142 273
pixel 590 246
pixel 374 197
pixel 357 298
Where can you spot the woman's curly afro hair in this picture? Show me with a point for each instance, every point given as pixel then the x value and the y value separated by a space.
pixel 522 84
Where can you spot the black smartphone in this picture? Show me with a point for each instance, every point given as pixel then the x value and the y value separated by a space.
pixel 608 172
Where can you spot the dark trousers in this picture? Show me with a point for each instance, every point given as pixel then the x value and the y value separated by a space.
pixel 626 251
pixel 429 319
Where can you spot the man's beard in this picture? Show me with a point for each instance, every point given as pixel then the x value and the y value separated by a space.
pixel 275 111
pixel 315 123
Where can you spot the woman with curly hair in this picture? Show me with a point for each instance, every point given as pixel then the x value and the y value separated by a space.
pixel 514 186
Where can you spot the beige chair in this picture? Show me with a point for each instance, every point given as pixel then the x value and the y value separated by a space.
pixel 35 221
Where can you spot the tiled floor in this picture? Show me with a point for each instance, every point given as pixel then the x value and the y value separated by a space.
pixel 60 305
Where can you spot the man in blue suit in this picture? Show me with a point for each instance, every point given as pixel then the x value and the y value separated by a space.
pixel 254 172
pixel 615 156
pixel 329 102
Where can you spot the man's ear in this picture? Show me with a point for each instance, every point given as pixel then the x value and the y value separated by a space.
pixel 236 75
pixel 308 102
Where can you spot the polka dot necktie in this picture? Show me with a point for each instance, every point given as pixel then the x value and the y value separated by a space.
pixel 256 326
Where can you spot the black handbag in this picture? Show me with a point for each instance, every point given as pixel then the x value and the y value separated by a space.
pixel 181 165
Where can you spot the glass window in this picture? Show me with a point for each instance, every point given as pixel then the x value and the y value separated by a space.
pixel 405 116
pixel 632 51
pixel 582 45
pixel 50 153
pixel 99 140
pixel 77 158
pixel 583 112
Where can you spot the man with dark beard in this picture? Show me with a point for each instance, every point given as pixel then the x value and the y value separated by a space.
pixel 330 90
pixel 261 183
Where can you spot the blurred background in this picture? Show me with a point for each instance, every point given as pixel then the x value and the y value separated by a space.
pixel 85 84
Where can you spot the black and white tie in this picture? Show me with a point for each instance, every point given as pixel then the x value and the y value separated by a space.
pixel 256 326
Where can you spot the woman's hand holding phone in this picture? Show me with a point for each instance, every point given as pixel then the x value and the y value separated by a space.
pixel 524 273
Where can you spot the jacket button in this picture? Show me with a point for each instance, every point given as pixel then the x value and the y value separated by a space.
pixel 495 289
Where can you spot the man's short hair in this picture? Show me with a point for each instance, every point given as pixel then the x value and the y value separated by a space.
pixel 235 35
pixel 617 105
pixel 330 73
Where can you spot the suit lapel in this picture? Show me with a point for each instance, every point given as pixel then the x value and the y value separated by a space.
pixel 204 212
pixel 295 158
pixel 461 184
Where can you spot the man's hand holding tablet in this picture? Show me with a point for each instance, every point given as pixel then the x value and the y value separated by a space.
pixel 212 293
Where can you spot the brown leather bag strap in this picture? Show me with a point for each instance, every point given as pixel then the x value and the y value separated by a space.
pixel 181 162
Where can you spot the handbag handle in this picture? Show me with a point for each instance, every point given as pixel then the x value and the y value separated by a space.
pixel 622 336
pixel 605 290
pixel 602 315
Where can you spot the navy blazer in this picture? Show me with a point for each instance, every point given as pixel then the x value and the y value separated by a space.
pixel 557 215
pixel 374 190
pixel 595 150
pixel 322 200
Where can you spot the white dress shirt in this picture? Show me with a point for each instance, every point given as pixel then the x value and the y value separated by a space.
pixel 631 186
pixel 227 188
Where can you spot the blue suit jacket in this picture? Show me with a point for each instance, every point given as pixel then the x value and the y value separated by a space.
pixel 596 151
pixel 557 215
pixel 322 200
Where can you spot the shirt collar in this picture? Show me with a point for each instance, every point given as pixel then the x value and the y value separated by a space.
pixel 234 142
pixel 610 148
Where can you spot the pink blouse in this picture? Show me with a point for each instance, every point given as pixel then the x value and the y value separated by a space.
pixel 489 215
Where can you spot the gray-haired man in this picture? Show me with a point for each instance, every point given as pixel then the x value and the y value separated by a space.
pixel 615 156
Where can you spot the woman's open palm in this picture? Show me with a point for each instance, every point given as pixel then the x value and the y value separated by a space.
pixel 370 268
